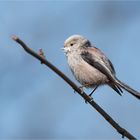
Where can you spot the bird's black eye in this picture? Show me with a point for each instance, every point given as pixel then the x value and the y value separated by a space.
pixel 71 44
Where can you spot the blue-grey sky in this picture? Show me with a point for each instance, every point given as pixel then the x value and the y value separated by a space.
pixel 34 101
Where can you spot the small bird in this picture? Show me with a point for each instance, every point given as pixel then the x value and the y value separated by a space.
pixel 91 67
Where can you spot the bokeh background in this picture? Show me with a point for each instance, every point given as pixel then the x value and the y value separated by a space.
pixel 34 101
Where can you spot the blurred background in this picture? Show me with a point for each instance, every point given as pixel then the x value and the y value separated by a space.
pixel 34 101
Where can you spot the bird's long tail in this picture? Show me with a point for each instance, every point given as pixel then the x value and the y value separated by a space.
pixel 128 88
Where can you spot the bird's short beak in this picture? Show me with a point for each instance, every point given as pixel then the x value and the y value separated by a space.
pixel 65 50
pixel 62 48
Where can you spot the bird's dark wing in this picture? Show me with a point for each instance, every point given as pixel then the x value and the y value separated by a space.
pixel 103 57
pixel 111 65
pixel 98 63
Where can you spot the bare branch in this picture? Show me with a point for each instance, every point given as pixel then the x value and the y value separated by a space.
pixel 41 57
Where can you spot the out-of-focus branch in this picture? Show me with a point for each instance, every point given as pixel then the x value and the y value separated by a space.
pixel 40 56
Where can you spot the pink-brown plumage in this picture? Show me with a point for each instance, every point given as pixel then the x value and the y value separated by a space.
pixel 91 67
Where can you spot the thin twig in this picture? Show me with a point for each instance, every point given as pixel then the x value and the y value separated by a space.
pixel 88 99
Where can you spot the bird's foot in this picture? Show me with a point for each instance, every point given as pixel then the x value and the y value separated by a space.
pixel 90 99
pixel 81 88
pixel 91 94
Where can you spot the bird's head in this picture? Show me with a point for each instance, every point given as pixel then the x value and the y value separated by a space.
pixel 75 42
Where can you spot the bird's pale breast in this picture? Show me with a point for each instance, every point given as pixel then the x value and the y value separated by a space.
pixel 86 74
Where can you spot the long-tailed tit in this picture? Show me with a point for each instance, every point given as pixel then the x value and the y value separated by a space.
pixel 91 67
